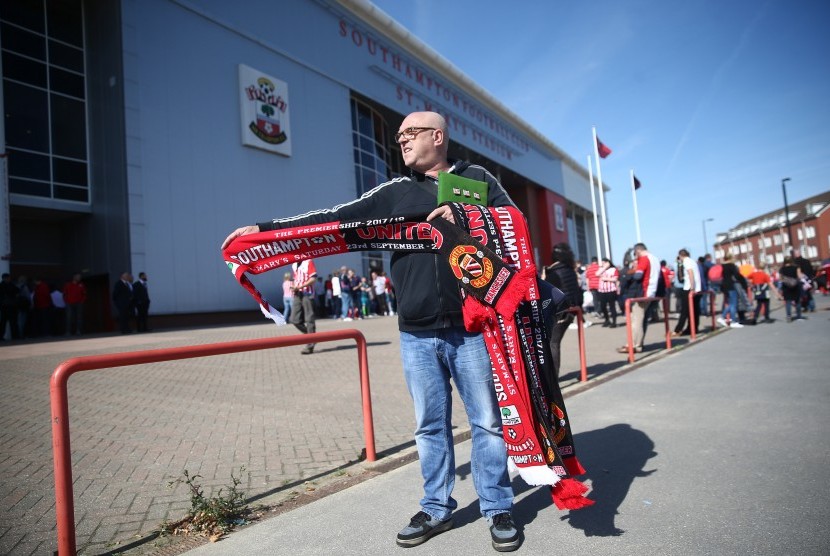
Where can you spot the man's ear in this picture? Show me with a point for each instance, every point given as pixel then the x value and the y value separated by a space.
pixel 440 136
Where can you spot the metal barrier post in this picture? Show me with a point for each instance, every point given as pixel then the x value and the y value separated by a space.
pixel 712 309
pixel 692 313
pixel 628 330
pixel 580 332
pixel 64 497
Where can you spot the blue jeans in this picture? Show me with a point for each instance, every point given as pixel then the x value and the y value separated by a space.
pixel 286 304
pixel 732 305
pixel 430 358
pixel 345 304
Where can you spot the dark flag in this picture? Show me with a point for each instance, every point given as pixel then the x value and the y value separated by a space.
pixel 636 183
pixel 602 149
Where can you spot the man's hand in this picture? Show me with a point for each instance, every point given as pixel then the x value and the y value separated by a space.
pixel 444 212
pixel 245 230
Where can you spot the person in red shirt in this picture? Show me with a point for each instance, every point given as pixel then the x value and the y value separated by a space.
pixel 667 275
pixel 761 286
pixel 646 282
pixel 592 272
pixel 74 295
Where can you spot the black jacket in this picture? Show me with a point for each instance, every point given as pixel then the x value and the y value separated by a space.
pixel 565 278
pixel 122 295
pixel 426 290
pixel 732 276
pixel 140 294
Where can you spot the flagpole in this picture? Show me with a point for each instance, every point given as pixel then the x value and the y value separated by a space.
pixel 636 214
pixel 594 206
pixel 601 195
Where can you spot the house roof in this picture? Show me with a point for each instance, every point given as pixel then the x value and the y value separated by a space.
pixel 800 211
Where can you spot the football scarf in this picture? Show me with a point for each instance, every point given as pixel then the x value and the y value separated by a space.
pixel 493 262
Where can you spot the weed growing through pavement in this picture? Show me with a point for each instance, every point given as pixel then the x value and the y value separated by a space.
pixel 213 516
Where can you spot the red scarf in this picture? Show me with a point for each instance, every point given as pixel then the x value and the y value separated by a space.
pixel 495 269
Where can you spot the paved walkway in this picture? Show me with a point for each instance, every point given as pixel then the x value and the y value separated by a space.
pixel 293 421
pixel 721 449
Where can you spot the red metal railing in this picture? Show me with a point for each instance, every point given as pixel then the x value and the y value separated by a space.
pixel 712 297
pixel 580 332
pixel 64 496
pixel 628 330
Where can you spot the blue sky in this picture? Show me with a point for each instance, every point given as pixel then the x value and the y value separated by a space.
pixel 711 103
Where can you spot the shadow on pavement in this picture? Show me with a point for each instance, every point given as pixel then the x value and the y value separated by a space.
pixel 350 346
pixel 614 457
pixel 594 370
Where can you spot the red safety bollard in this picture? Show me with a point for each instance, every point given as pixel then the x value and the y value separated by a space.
pixel 580 320
pixel 64 496
pixel 628 330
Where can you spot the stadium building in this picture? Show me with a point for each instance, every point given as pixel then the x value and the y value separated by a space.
pixel 139 133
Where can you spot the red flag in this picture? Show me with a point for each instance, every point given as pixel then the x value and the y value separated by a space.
pixel 602 149
pixel 636 183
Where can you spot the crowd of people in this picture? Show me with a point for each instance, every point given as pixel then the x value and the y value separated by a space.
pixel 601 289
pixel 37 309
pixel 745 292
pixel 345 295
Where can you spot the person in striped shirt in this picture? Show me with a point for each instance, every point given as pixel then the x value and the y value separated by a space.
pixel 302 305
pixel 609 282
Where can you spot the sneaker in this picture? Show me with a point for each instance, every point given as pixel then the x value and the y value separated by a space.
pixel 504 533
pixel 736 325
pixel 347 319
pixel 308 350
pixel 421 528
pixel 721 321
pixel 587 324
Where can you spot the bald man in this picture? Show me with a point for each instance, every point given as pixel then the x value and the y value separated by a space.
pixel 434 344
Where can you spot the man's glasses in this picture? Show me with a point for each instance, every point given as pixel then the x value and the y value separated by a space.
pixel 410 133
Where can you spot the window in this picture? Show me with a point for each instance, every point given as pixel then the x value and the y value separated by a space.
pixel 370 141
pixel 44 92
pixel 581 237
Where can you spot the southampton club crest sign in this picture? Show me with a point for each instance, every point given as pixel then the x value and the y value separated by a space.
pixel 265 111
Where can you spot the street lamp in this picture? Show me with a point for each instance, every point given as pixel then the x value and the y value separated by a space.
pixel 705 242
pixel 787 212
